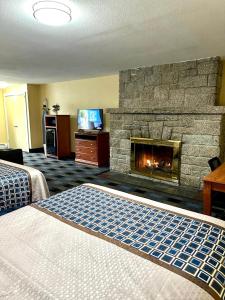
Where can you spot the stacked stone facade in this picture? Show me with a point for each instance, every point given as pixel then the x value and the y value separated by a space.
pixel 190 84
pixel 177 102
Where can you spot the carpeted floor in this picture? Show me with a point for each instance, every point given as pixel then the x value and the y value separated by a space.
pixel 62 175
pixel 65 174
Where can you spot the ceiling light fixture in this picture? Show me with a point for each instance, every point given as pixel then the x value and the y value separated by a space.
pixel 52 13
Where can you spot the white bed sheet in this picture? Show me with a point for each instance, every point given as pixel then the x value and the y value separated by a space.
pixel 44 258
pixel 39 185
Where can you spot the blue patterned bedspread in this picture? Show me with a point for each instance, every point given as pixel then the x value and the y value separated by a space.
pixel 190 247
pixel 15 187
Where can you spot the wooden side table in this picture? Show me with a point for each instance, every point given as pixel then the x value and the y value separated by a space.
pixel 215 181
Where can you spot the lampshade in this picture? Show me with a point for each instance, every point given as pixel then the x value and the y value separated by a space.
pixel 53 13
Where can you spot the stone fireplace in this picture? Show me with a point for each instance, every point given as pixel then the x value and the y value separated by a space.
pixel 174 102
pixel 155 158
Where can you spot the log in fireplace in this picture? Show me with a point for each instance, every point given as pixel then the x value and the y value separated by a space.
pixel 156 158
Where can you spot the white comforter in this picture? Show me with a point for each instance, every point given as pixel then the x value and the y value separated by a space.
pixel 44 258
pixel 39 185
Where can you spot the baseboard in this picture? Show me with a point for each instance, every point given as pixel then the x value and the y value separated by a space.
pixel 37 150
pixel 3 146
pixel 41 150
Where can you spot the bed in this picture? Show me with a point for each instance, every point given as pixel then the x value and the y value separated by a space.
pixel 20 185
pixel 92 242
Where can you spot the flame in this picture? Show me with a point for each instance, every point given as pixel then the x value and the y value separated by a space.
pixel 155 164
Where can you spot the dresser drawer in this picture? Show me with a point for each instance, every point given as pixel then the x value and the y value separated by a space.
pixel 86 156
pixel 85 150
pixel 92 148
pixel 86 143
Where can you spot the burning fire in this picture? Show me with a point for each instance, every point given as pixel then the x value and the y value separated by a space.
pixel 155 164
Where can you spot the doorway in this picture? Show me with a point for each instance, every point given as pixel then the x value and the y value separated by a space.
pixel 17 121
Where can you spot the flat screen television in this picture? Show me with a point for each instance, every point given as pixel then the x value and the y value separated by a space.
pixel 90 119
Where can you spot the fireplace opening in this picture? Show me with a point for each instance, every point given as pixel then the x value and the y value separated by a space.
pixel 156 158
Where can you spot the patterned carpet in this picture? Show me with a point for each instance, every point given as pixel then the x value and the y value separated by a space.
pixel 62 175
pixel 65 174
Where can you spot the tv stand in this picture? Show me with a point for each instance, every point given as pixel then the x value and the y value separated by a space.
pixel 94 131
pixel 92 147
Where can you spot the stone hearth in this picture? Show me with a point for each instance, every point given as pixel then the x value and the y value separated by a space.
pixel 171 102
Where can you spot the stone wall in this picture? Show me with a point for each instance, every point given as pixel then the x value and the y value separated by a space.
pixel 201 135
pixel 174 101
pixel 191 83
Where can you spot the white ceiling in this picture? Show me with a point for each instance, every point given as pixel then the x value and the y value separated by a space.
pixel 106 36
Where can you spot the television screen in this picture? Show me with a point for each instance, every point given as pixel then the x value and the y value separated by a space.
pixel 91 119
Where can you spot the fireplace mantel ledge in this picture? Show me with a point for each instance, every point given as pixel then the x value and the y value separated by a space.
pixel 208 110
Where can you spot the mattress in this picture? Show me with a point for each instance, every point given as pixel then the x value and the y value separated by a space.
pixel 70 247
pixel 20 185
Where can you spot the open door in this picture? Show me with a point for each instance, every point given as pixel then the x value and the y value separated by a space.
pixel 17 121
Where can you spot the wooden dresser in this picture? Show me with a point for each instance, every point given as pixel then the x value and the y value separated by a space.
pixel 92 148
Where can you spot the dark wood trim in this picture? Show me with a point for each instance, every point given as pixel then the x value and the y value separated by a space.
pixel 37 150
